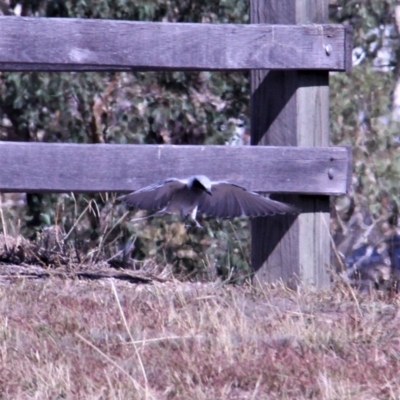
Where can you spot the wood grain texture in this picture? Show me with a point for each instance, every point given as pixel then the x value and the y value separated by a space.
pixel 56 167
pixel 69 44
pixel 291 108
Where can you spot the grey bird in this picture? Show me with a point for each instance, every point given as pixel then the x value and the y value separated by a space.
pixel 198 194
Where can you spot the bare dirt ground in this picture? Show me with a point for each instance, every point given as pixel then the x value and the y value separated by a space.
pixel 113 339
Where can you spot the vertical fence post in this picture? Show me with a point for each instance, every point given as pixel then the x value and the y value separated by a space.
pixel 291 108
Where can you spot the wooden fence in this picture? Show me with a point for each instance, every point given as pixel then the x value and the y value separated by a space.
pixel 290 50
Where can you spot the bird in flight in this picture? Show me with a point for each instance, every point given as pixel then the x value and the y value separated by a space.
pixel 198 194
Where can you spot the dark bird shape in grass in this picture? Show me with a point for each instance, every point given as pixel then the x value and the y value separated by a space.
pixel 198 194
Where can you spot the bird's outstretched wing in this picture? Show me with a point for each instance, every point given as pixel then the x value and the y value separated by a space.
pixel 154 197
pixel 229 201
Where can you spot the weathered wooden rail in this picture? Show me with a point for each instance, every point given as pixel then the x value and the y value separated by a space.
pixel 289 48
pixel 59 44
pixel 110 167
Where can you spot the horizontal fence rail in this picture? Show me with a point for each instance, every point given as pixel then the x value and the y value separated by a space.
pixel 53 167
pixel 67 44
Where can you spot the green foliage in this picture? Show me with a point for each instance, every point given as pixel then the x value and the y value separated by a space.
pixel 361 116
pixel 222 11
pixel 362 104
pixel 364 16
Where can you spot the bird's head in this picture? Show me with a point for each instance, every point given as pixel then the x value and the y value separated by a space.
pixel 203 183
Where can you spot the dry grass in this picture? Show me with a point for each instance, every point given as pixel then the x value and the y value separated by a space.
pixel 113 340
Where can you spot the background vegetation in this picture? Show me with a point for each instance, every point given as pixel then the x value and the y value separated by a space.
pixel 190 108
